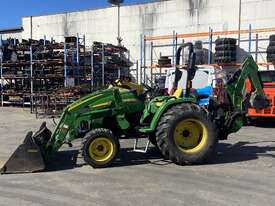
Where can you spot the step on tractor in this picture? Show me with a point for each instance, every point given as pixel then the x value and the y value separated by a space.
pixel 183 131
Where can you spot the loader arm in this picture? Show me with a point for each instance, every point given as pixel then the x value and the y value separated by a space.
pixel 89 108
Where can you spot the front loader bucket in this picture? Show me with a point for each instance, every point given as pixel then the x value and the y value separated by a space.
pixel 27 158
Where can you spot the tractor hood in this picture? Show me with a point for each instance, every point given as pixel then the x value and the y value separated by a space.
pixel 109 98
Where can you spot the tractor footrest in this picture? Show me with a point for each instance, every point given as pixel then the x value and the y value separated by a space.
pixel 141 149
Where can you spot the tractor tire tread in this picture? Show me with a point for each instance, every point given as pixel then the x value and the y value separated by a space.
pixel 97 132
pixel 162 135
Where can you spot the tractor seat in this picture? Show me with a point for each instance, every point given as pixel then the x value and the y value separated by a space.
pixel 202 96
pixel 178 94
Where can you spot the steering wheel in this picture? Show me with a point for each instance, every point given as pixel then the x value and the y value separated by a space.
pixel 152 92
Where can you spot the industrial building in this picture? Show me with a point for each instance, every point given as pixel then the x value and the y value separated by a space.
pixel 150 19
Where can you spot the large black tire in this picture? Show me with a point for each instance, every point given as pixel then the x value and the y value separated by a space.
pixel 270 57
pixel 270 50
pixel 222 53
pixel 272 37
pixel 198 45
pixel 225 59
pixel 230 47
pixel 164 60
pixel 272 43
pixel 221 41
pixel 199 56
pixel 100 148
pixel 168 132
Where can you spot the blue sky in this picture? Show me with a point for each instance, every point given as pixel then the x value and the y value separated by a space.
pixel 13 10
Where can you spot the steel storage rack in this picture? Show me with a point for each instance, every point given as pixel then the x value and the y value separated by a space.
pixel 153 47
pixel 47 75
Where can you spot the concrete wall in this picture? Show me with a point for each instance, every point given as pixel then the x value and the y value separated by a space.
pixel 17 35
pixel 158 18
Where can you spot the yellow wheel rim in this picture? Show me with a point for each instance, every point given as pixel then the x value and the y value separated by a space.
pixel 190 135
pixel 101 149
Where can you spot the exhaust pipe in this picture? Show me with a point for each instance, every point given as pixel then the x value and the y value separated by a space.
pixel 28 157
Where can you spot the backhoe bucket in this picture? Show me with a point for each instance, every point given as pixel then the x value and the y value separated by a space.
pixel 27 157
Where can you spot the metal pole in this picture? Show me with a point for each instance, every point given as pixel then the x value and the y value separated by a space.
pixel 176 46
pixel 182 56
pixel 103 66
pixel 257 47
pixel 141 59
pixel 249 39
pixel 44 43
pixel 210 45
pixel 84 43
pixel 151 69
pixel 129 55
pixel 1 72
pixel 119 73
pixel 31 65
pixel 118 25
pixel 240 21
pixel 144 61
pixel 137 67
pixel 77 57
pixel 65 64
pixel 173 47
pixel 31 27
pixel 92 67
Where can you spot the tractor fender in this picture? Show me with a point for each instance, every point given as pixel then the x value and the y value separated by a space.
pixel 163 108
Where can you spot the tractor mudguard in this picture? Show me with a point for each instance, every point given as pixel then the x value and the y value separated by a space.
pixel 162 109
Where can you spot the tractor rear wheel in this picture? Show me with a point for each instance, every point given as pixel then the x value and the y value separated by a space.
pixel 100 148
pixel 186 135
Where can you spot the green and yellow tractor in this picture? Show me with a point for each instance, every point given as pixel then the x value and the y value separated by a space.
pixel 183 131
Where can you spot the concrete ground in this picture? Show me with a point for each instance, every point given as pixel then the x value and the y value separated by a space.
pixel 243 173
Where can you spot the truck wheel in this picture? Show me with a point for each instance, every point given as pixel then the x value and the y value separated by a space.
pixel 186 135
pixel 100 148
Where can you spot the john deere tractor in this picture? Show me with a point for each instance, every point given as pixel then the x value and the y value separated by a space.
pixel 183 131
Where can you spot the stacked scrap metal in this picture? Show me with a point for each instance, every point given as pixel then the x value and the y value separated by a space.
pixel 48 66
pixel 37 62
pixel 114 60
pixel 53 103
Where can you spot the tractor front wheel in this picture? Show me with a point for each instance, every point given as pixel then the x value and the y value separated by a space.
pixel 186 135
pixel 100 148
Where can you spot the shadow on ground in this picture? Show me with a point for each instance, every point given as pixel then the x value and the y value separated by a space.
pixel 242 151
pixel 69 159
pixel 263 123
pixel 226 153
